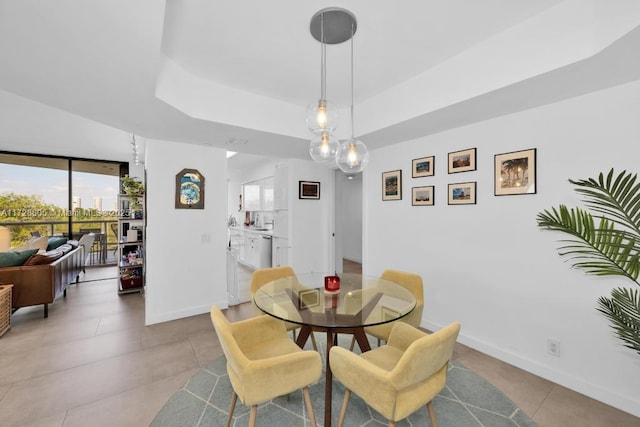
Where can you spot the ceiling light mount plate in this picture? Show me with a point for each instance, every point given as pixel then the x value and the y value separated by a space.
pixel 338 24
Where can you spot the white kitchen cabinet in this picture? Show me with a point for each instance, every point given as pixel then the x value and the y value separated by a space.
pixel 257 250
pixel 258 195
pixel 280 252
pixel 251 250
pixel 251 196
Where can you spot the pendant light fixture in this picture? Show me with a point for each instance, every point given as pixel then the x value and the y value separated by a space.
pixel 321 116
pixel 352 155
pixel 332 26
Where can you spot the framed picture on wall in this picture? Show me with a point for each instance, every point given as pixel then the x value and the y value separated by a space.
pixel 392 185
pixel 462 193
pixel 515 173
pixel 422 196
pixel 462 161
pixel 189 189
pixel 422 167
pixel 308 190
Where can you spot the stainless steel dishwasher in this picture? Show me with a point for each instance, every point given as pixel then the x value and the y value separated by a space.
pixel 264 247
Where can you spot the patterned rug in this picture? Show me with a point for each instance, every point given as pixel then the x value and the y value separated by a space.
pixel 467 400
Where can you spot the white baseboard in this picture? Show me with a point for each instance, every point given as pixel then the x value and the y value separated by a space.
pixel 630 404
pixel 175 315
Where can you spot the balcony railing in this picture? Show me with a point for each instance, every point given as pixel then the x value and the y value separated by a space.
pixel 105 245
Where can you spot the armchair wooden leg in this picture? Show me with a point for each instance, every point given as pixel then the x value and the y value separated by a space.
pixel 307 402
pixel 343 409
pixel 392 424
pixel 353 342
pixel 313 341
pixel 432 414
pixel 252 416
pixel 231 409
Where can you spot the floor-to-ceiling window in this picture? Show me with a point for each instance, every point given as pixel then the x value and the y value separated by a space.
pixel 48 196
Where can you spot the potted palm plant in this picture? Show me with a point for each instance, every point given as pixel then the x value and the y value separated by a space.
pixel 607 245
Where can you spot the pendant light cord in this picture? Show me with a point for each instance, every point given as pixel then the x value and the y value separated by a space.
pixel 323 60
pixel 352 81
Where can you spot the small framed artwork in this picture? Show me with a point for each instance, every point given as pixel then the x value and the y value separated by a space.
pixel 462 193
pixel 422 196
pixel 309 298
pixel 392 185
pixel 515 173
pixel 462 161
pixel 422 167
pixel 189 189
pixel 308 190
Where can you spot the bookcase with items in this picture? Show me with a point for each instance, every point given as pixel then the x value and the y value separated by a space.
pixel 131 229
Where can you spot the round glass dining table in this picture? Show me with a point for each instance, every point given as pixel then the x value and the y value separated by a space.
pixel 361 301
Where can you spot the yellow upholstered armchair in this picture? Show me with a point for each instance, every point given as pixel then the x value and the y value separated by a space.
pixel 266 275
pixel 413 283
pixel 263 363
pixel 398 378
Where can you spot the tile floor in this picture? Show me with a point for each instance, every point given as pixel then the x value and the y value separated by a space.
pixel 94 363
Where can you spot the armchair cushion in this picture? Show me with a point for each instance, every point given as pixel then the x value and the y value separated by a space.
pixel 266 275
pixel 262 361
pixel 398 378
pixel 413 282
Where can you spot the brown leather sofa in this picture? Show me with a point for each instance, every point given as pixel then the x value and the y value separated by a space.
pixel 46 279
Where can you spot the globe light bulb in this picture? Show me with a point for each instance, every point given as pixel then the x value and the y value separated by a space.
pixel 352 156
pixel 323 148
pixel 321 117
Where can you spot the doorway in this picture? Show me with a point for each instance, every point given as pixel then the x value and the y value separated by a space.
pixel 347 222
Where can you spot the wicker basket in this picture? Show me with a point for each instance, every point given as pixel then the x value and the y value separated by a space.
pixel 5 308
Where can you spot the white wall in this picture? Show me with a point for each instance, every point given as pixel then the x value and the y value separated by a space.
pixel 309 235
pixel 186 259
pixel 489 266
pixel 351 218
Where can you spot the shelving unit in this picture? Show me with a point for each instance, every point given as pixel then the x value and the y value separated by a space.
pixel 131 238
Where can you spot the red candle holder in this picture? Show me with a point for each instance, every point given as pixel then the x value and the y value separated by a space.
pixel 332 283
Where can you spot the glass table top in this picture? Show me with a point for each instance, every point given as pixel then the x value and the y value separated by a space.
pixel 361 300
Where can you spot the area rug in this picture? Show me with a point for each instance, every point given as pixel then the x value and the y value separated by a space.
pixel 466 400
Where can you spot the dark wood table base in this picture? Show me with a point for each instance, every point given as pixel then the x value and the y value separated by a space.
pixel 332 337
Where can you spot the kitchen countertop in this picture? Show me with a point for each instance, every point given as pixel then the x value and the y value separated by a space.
pixel 244 229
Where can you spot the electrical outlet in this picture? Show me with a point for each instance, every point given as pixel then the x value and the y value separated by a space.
pixel 553 347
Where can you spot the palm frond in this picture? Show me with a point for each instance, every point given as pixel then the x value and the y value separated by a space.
pixel 600 250
pixel 623 310
pixel 603 249
pixel 617 198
